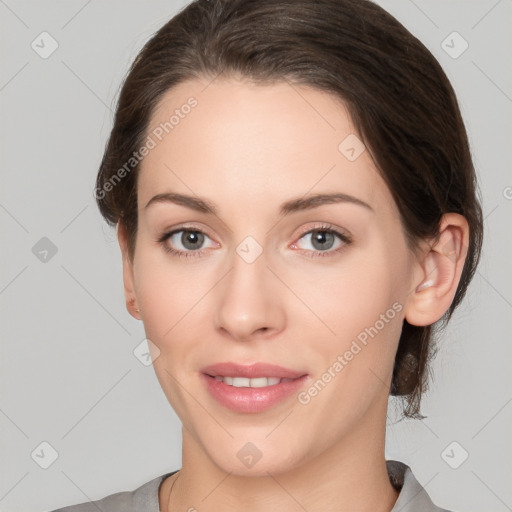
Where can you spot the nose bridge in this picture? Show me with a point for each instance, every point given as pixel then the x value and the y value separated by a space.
pixel 248 301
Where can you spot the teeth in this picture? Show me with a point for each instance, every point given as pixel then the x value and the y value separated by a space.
pixel 244 382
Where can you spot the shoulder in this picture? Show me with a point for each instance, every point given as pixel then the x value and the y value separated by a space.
pixel 142 499
pixel 413 497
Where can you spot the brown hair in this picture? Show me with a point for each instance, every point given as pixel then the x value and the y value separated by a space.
pixel 399 98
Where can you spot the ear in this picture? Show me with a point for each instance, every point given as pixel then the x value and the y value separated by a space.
pixel 129 289
pixel 437 272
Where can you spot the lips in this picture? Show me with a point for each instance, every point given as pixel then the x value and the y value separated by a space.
pixel 252 371
pixel 227 384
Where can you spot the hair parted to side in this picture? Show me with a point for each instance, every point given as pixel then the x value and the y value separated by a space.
pixel 400 101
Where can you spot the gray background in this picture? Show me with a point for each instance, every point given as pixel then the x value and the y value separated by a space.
pixel 68 373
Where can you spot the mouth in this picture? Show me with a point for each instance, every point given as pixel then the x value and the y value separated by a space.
pixel 251 388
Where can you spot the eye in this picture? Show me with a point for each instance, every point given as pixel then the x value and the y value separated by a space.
pixel 190 238
pixel 323 238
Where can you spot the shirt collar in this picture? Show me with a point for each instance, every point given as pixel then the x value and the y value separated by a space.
pixel 412 497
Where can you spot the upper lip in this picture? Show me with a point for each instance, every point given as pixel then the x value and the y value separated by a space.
pixel 229 369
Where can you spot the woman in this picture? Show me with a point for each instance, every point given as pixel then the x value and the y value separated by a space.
pixel 297 211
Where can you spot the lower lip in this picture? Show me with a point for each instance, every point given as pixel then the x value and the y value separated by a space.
pixel 251 400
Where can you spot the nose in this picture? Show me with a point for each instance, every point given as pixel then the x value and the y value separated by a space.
pixel 249 301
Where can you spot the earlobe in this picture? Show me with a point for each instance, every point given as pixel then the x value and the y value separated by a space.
pixel 128 279
pixel 438 272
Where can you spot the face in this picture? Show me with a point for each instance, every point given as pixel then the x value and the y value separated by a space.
pixel 318 288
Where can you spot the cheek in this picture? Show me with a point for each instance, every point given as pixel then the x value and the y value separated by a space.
pixel 361 305
pixel 168 291
pixel 360 302
pixel 352 294
pixel 169 297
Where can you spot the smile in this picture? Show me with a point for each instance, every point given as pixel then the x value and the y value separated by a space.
pixel 252 395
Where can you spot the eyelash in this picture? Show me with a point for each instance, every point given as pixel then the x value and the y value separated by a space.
pixel 327 228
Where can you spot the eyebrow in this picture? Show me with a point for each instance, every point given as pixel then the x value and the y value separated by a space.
pixel 288 207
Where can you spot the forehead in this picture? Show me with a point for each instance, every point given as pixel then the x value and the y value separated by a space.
pixel 236 141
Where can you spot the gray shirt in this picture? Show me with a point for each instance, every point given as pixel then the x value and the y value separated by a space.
pixel 412 497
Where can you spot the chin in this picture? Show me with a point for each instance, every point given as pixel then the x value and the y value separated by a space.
pixel 249 461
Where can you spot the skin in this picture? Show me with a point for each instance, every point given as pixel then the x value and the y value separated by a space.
pixel 248 148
